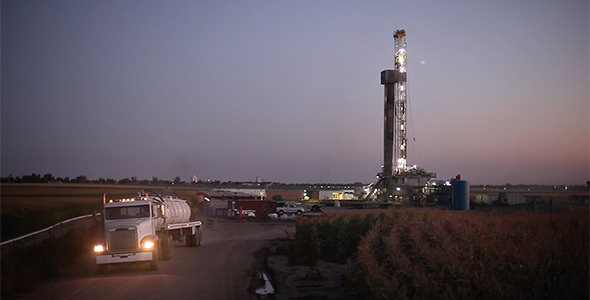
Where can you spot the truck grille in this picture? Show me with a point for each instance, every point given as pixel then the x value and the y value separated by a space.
pixel 123 240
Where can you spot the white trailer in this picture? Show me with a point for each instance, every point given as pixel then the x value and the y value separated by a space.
pixel 143 228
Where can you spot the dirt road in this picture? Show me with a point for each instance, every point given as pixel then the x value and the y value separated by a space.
pixel 221 268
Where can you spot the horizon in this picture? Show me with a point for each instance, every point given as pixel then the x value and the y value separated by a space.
pixel 134 180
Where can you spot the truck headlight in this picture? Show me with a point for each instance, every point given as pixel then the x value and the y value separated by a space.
pixel 148 243
pixel 98 248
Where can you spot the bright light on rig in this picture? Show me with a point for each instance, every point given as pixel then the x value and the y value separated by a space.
pixel 401 163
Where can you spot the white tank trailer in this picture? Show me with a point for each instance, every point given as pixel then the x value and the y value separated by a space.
pixel 143 228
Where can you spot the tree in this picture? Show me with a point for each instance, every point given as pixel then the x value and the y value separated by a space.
pixel 48 178
pixel 33 178
pixel 80 179
pixel 125 181
pixel 9 179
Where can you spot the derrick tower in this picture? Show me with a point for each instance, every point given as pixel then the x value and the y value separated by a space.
pixel 395 129
pixel 397 181
pixel 400 143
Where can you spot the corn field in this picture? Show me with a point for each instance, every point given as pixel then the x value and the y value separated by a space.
pixel 441 254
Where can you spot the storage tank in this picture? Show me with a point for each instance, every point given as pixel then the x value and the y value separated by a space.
pixel 460 194
pixel 177 210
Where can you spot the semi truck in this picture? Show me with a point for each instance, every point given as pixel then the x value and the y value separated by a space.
pixel 143 228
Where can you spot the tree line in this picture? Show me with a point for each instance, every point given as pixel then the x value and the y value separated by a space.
pixel 50 178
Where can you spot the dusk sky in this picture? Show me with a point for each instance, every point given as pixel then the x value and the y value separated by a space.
pixel 290 91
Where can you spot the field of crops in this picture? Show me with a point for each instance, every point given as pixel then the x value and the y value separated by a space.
pixel 441 254
pixel 29 207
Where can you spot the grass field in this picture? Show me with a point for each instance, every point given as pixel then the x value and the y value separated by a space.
pixel 29 207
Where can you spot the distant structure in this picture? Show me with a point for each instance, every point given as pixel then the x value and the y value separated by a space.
pixel 397 182
pixel 395 140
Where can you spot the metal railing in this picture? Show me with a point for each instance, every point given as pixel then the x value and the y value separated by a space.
pixel 55 230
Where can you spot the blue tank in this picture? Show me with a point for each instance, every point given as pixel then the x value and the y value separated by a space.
pixel 460 195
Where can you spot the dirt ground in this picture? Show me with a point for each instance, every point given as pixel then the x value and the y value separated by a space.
pixel 322 281
pixel 228 265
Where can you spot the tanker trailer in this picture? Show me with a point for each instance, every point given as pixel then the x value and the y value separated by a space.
pixel 143 228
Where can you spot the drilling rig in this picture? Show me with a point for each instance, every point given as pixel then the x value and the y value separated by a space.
pixel 397 182
pixel 400 141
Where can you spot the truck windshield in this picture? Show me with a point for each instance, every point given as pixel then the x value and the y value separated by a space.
pixel 127 212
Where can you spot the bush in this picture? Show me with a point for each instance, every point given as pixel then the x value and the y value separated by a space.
pixel 333 238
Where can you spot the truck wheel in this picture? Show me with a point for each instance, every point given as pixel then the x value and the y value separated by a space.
pixel 167 249
pixel 155 263
pixel 281 212
pixel 191 240
pixel 299 212
pixel 102 268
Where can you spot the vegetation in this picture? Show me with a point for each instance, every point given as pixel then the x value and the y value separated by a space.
pixel 49 178
pixel 436 254
pixel 155 181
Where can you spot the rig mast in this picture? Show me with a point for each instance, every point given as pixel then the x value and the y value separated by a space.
pixel 400 145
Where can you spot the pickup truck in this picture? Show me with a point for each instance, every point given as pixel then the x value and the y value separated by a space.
pixel 289 208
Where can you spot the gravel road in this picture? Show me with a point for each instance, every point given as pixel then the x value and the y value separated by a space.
pixel 221 268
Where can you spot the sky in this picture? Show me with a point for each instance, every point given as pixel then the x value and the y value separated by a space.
pixel 289 91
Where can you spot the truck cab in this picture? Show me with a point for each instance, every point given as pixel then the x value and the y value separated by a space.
pixel 129 233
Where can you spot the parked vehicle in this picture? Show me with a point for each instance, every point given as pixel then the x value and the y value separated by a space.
pixel 142 229
pixel 316 208
pixel 289 208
